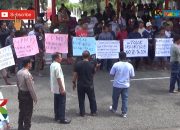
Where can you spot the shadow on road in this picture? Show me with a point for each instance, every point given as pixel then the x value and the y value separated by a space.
pixel 156 91
pixel 101 113
pixel 42 119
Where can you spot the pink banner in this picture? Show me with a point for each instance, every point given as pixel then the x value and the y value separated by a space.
pixel 25 46
pixel 56 43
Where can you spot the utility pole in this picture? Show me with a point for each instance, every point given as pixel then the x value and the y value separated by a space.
pixel 98 3
pixel 83 4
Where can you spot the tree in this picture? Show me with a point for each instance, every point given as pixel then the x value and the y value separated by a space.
pixel 5 4
pixel 22 3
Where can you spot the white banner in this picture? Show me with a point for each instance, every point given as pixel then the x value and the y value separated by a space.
pixel 163 46
pixel 136 47
pixel 6 57
pixel 107 49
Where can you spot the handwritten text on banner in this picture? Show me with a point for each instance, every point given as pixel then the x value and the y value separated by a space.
pixel 107 49
pixel 163 47
pixel 25 46
pixel 136 47
pixel 56 43
pixel 81 44
pixel 6 57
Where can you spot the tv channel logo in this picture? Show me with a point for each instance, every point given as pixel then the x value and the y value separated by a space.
pixel 4 14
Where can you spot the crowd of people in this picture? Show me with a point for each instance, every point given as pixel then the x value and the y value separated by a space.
pixel 135 22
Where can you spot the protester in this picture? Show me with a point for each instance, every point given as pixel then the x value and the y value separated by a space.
pixel 83 75
pixel 63 19
pixel 106 35
pixel 141 28
pixel 5 76
pixel 4 33
pixel 98 29
pixel 122 21
pixel 99 15
pixel 130 25
pixel 106 15
pixel 9 42
pixel 112 12
pixel 58 88
pixel 93 18
pixel 112 32
pixel 90 27
pixel 84 17
pixel 121 35
pixel 161 62
pixel 26 95
pixel 122 72
pixel 175 64
pixel 168 31
pixel 82 31
pixel 39 61
pixel 148 33
pixel 114 24
pixel 135 35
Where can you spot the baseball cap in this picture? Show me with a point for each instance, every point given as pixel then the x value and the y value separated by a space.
pixel 56 30
pixel 148 24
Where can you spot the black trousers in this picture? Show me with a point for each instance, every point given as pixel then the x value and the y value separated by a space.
pixel 25 110
pixel 81 97
pixel 59 106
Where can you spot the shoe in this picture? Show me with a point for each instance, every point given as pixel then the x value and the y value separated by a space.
pixel 111 109
pixel 82 115
pixel 55 119
pixel 123 115
pixel 94 114
pixel 65 121
pixel 173 91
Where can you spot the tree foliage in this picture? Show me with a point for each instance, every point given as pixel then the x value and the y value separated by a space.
pixel 22 3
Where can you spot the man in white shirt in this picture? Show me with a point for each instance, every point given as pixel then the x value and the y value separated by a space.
pixel 58 88
pixel 122 72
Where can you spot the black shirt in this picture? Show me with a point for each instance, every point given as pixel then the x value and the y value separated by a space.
pixel 4 33
pixel 134 35
pixel 85 71
pixel 40 40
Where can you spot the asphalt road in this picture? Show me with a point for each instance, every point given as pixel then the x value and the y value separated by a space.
pixel 150 105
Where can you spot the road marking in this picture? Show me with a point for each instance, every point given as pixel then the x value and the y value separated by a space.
pixel 7 86
pixel 140 79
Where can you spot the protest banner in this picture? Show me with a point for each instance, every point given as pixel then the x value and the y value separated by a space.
pixel 56 43
pixel 107 49
pixel 6 57
pixel 81 44
pixel 136 47
pixel 163 46
pixel 25 46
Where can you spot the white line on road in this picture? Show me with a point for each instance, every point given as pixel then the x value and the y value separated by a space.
pixel 7 86
pixel 139 79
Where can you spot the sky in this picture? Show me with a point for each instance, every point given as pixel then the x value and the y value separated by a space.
pixel 74 1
